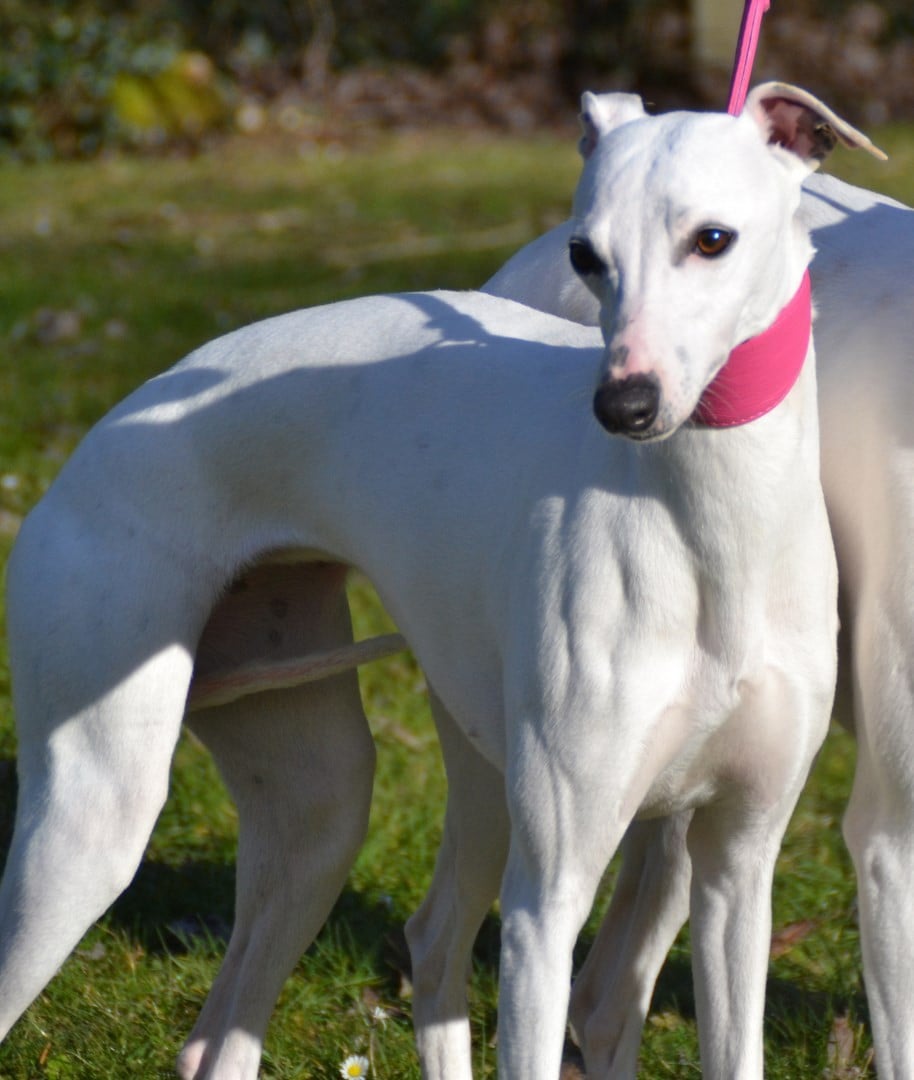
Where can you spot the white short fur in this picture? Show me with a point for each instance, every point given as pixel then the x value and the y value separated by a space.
pixel 863 288
pixel 620 629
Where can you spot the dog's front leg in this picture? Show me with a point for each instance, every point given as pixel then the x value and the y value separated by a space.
pixel 650 903
pixel 733 856
pixel 734 842
pixel 564 804
pixel 467 876
pixel 762 758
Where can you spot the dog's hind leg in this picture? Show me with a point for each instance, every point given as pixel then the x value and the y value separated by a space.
pixel 465 885
pixel 650 903
pixel 87 804
pixel 299 765
pixel 877 826
pixel 99 689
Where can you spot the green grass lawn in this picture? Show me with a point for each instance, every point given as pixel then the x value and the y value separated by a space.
pixel 109 272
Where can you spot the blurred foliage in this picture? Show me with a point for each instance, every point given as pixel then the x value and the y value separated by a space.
pixel 60 64
pixel 81 76
pixel 184 99
pixel 897 16
pixel 78 77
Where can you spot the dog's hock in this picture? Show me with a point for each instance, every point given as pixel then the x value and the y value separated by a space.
pixel 601 113
pixel 799 122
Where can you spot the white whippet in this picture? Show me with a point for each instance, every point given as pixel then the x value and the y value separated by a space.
pixel 863 283
pixel 627 625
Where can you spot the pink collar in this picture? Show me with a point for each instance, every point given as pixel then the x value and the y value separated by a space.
pixel 760 373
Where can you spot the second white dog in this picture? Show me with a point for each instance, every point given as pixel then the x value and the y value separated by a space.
pixel 638 624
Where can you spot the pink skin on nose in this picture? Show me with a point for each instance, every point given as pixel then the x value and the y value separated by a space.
pixel 626 360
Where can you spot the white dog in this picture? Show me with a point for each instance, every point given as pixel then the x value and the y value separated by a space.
pixel 634 625
pixel 863 283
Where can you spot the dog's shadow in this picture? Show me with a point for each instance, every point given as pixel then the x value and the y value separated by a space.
pixel 169 910
pixel 154 911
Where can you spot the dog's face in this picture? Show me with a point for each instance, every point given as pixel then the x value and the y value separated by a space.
pixel 685 230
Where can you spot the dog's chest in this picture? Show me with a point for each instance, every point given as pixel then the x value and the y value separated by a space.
pixel 726 732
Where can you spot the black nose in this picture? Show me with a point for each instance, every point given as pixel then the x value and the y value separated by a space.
pixel 627 406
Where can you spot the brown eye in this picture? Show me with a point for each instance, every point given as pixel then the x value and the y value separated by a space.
pixel 712 241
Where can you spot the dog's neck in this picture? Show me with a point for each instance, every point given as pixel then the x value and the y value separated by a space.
pixel 739 488
pixel 760 373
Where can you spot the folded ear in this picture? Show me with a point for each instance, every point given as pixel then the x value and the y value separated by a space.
pixel 600 113
pixel 800 123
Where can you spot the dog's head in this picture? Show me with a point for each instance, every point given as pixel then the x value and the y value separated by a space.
pixel 685 230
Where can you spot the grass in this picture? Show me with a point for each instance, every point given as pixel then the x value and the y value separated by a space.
pixel 108 273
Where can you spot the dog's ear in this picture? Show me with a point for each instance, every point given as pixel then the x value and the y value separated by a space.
pixel 800 123
pixel 600 113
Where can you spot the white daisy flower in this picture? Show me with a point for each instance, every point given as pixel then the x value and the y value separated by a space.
pixel 354 1067
pixel 380 1015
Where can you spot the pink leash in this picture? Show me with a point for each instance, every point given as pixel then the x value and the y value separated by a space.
pixel 746 48
pixel 760 372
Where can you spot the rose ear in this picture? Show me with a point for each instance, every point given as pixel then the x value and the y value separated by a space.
pixel 600 113
pixel 798 122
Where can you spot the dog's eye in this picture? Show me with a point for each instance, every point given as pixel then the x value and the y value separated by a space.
pixel 712 241
pixel 584 259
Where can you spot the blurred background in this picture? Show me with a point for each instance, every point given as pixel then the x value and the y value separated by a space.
pixel 173 169
pixel 81 78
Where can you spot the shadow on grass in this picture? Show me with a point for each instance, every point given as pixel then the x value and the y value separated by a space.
pixel 788 1008
pixel 175 909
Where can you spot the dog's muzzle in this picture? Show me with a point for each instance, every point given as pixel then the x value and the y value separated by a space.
pixel 628 406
